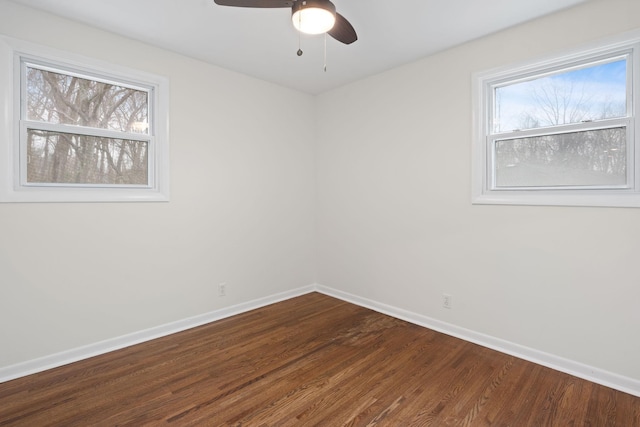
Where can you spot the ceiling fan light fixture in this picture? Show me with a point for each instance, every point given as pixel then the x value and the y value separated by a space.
pixel 313 16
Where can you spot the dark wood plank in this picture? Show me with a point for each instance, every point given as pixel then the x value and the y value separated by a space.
pixel 312 360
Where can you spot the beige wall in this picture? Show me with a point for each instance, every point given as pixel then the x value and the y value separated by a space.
pixel 241 210
pixel 396 224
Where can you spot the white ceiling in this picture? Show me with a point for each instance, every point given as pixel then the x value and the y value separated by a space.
pixel 262 42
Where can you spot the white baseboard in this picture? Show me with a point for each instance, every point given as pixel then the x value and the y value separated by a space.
pixel 596 375
pixel 590 373
pixel 69 356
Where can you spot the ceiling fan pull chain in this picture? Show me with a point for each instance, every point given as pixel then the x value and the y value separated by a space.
pixel 299 52
pixel 325 52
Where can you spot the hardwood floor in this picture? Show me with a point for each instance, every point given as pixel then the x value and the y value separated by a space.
pixel 311 360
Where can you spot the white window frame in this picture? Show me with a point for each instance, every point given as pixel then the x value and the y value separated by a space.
pixel 14 54
pixel 484 190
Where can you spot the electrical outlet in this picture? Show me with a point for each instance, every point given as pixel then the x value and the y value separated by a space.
pixel 447 301
pixel 222 289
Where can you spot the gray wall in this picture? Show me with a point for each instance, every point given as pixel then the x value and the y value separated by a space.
pixel 376 204
pixel 241 210
pixel 396 224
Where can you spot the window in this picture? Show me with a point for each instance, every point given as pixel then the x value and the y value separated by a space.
pixel 560 131
pixel 80 130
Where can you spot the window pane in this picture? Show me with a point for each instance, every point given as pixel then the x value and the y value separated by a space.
pixel 79 159
pixel 592 93
pixel 589 158
pixel 64 99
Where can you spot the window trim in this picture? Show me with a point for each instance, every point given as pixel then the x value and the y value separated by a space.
pixel 14 54
pixel 483 84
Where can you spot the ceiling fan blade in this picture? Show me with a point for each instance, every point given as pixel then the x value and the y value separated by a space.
pixel 343 31
pixel 255 3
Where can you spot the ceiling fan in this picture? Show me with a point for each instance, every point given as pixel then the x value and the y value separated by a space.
pixel 308 16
